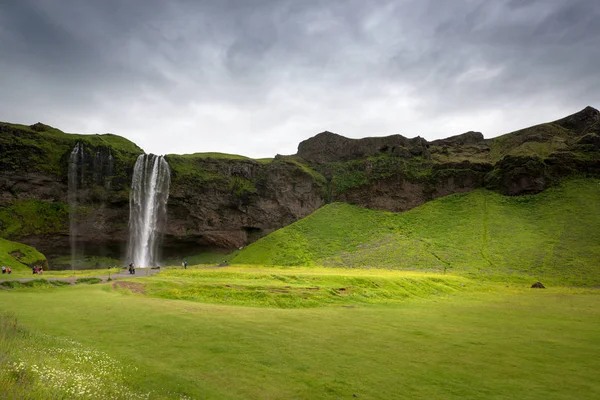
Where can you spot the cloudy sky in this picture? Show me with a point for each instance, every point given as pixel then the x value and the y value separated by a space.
pixel 255 77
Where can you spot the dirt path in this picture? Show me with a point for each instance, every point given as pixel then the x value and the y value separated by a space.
pixel 139 272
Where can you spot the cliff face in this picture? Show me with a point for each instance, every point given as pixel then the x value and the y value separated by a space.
pixel 216 201
pixel 220 201
pixel 226 203
pixel 396 174
pixel 34 188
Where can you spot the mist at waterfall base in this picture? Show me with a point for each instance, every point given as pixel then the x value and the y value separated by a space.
pixel 147 209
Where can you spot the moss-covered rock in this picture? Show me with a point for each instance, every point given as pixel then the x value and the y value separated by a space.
pixel 19 256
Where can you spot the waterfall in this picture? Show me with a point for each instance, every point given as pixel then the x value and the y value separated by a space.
pixel 109 170
pixel 147 208
pixel 75 172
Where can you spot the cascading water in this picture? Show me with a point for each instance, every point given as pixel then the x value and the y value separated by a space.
pixel 147 208
pixel 75 176
pixel 109 170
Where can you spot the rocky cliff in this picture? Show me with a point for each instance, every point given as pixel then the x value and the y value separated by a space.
pixel 396 173
pixel 217 201
pixel 220 201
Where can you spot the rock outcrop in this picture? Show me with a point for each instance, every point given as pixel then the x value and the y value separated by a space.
pixel 330 147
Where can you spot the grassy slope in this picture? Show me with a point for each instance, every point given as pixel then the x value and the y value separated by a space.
pixel 29 255
pixel 554 235
pixel 539 140
pixel 507 344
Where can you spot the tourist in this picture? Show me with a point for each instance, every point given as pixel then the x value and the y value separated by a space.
pixel 8 270
pixel 35 270
pixel 131 268
pixel 3 269
pixel 184 264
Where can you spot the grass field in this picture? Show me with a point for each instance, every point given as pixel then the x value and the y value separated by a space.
pixel 553 236
pixel 480 340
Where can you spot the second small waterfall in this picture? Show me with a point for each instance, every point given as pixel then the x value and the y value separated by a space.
pixel 75 182
pixel 147 208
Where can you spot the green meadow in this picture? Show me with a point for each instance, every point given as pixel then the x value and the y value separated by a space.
pixel 433 303
pixel 404 336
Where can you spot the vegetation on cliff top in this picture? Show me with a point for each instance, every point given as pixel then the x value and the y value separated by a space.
pixel 356 173
pixel 553 236
pixel 43 148
pixel 238 174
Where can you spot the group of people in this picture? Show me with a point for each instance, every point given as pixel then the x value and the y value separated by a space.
pixel 37 270
pixel 131 268
pixel 6 270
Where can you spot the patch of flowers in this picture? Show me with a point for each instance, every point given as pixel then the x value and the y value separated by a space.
pixel 64 368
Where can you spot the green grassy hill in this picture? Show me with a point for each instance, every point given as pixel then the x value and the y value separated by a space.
pixel 553 236
pixel 19 256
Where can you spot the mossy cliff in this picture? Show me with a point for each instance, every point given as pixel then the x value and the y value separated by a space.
pixel 34 195
pixel 221 201
pixel 226 201
pixel 396 174
pixel 217 200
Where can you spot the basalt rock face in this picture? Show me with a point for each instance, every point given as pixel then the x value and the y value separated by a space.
pixel 216 201
pixel 223 202
pixel 395 173
pixel 35 192
pixel 403 190
pixel 328 147
pixel 233 202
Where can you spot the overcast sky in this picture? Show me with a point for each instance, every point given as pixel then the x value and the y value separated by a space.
pixel 256 77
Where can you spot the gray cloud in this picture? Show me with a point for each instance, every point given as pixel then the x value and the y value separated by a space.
pixel 256 77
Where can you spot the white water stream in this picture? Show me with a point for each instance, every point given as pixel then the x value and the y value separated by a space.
pixel 147 209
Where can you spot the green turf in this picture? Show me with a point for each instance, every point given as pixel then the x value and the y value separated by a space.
pixel 490 342
pixel 292 288
pixel 19 256
pixel 552 236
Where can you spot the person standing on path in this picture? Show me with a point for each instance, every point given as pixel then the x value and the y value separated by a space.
pixel 184 264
